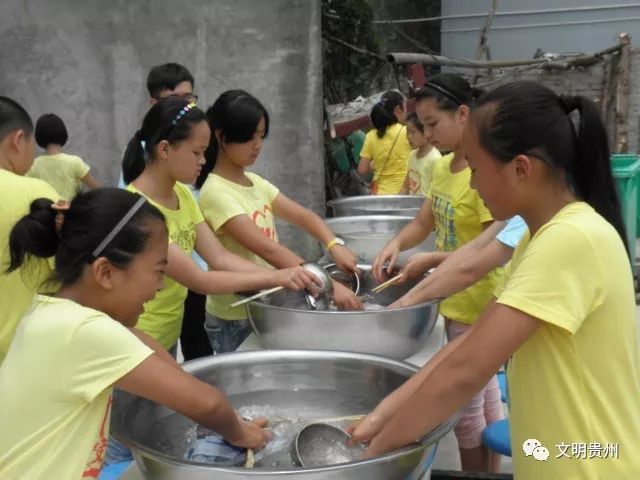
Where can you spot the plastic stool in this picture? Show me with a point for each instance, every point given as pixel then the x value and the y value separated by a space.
pixel 502 380
pixel 496 437
pixel 114 471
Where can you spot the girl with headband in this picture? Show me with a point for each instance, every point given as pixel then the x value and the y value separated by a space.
pixel 566 316
pixel 176 134
pixel 458 215
pixel 72 348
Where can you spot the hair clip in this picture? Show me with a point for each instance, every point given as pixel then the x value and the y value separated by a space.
pixel 60 207
pixel 183 111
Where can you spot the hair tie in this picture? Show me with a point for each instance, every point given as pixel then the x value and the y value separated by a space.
pixel 445 92
pixel 183 111
pixel 60 207
pixel 119 226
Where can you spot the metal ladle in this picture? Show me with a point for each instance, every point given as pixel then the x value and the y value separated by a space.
pixel 325 287
pixel 320 444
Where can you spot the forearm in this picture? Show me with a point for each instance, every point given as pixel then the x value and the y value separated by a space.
pixel 225 282
pixel 228 261
pixel 412 235
pixel 388 407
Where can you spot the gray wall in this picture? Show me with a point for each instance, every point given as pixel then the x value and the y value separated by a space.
pixel 87 61
pixel 522 26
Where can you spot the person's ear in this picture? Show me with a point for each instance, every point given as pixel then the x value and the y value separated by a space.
pixel 463 113
pixel 523 166
pixel 218 134
pixel 103 273
pixel 162 149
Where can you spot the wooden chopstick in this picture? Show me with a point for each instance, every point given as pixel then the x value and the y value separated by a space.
pixel 386 284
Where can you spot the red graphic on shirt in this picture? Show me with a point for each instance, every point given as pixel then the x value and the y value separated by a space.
pixel 414 181
pixel 264 221
pixel 94 465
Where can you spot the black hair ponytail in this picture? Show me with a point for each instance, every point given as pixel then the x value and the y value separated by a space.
pixel 90 218
pixel 164 121
pixel 591 170
pixel 567 133
pixel 382 116
pixel 133 162
pixel 34 234
pixel 235 116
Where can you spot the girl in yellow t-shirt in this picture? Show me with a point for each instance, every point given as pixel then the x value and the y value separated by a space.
pixel 241 208
pixel 421 160
pixel 566 316
pixel 176 134
pixel 386 148
pixel 458 215
pixel 71 348
pixel 65 173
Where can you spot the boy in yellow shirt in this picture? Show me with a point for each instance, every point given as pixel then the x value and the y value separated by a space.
pixel 16 194
pixel 566 316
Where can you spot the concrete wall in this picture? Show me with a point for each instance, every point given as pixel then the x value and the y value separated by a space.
pixel 520 27
pixel 87 61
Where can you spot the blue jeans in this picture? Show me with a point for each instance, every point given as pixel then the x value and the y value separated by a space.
pixel 116 451
pixel 226 335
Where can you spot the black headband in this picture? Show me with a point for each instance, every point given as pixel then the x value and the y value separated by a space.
pixel 445 92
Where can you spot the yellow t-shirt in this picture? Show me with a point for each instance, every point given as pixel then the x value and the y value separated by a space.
pixel 62 171
pixel 222 200
pixel 56 385
pixel 576 381
pixel 389 170
pixel 162 317
pixel 420 171
pixel 459 214
pixel 17 288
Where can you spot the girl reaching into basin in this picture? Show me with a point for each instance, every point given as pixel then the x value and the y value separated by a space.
pixel 565 317
pixel 241 208
pixel 175 134
pixel 71 348
pixel 459 216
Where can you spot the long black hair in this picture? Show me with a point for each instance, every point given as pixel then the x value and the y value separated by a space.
pixel 450 91
pixel 382 116
pixel 13 117
pixel 90 218
pixel 163 121
pixel 236 115
pixel 565 132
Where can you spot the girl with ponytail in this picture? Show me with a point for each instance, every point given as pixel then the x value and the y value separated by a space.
pixel 566 316
pixel 457 214
pixel 386 148
pixel 71 348
pixel 241 208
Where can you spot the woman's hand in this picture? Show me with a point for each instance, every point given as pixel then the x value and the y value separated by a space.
pixel 418 265
pixel 253 434
pixel 297 278
pixel 345 299
pixel 344 259
pixel 386 260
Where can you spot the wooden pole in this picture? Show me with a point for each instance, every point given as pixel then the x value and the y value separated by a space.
pixel 483 39
pixel 623 88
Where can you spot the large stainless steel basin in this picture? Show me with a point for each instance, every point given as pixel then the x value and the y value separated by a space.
pixel 366 236
pixel 283 321
pixel 404 205
pixel 310 383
